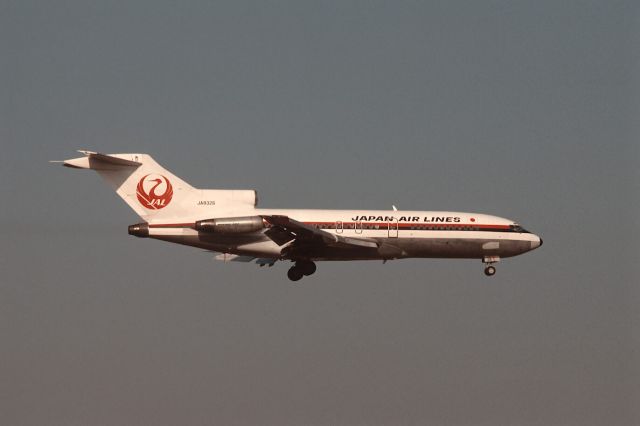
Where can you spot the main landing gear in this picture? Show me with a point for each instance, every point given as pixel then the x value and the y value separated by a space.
pixel 490 270
pixel 300 269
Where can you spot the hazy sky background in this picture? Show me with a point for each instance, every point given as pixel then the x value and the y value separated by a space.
pixel 527 110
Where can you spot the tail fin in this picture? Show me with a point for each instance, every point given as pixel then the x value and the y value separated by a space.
pixel 149 189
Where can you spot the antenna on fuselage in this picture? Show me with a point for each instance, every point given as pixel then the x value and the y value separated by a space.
pixel 395 209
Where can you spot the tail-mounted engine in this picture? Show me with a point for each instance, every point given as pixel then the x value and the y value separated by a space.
pixel 231 225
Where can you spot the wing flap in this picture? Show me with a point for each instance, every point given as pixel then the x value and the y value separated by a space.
pixel 284 229
pixel 359 242
pixel 279 236
pixel 228 257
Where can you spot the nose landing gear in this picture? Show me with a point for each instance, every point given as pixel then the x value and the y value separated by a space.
pixel 490 270
pixel 300 269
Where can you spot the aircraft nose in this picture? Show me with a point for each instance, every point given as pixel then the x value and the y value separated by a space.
pixel 536 244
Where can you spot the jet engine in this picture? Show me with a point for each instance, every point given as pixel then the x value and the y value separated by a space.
pixel 231 225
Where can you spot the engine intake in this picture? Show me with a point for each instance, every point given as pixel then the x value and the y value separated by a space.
pixel 231 225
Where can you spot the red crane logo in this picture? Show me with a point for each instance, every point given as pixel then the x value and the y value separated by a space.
pixel 147 195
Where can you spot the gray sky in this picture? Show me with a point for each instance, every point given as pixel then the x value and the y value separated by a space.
pixel 527 110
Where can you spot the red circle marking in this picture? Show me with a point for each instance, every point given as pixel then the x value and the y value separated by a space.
pixel 148 197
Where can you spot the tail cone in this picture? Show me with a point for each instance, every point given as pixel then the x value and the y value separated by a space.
pixel 140 230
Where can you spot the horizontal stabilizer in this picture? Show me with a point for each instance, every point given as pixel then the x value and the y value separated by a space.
pixel 98 161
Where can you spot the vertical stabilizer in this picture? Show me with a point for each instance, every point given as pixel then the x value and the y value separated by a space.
pixel 152 191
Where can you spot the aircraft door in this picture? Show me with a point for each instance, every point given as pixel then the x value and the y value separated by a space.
pixel 393 228
pixel 358 227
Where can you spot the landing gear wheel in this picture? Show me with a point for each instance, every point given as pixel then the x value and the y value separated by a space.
pixel 490 271
pixel 307 267
pixel 294 273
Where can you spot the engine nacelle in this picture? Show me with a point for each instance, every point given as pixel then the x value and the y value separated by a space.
pixel 231 225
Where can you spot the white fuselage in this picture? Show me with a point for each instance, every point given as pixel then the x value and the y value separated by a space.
pixel 401 234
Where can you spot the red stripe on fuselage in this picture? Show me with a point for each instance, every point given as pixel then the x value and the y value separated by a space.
pixel 413 224
pixel 400 225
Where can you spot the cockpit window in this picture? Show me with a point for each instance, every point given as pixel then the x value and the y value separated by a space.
pixel 518 228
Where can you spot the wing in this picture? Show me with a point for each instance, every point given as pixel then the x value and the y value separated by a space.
pixel 228 257
pixel 307 238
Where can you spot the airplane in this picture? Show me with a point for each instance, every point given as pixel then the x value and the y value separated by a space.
pixel 228 222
